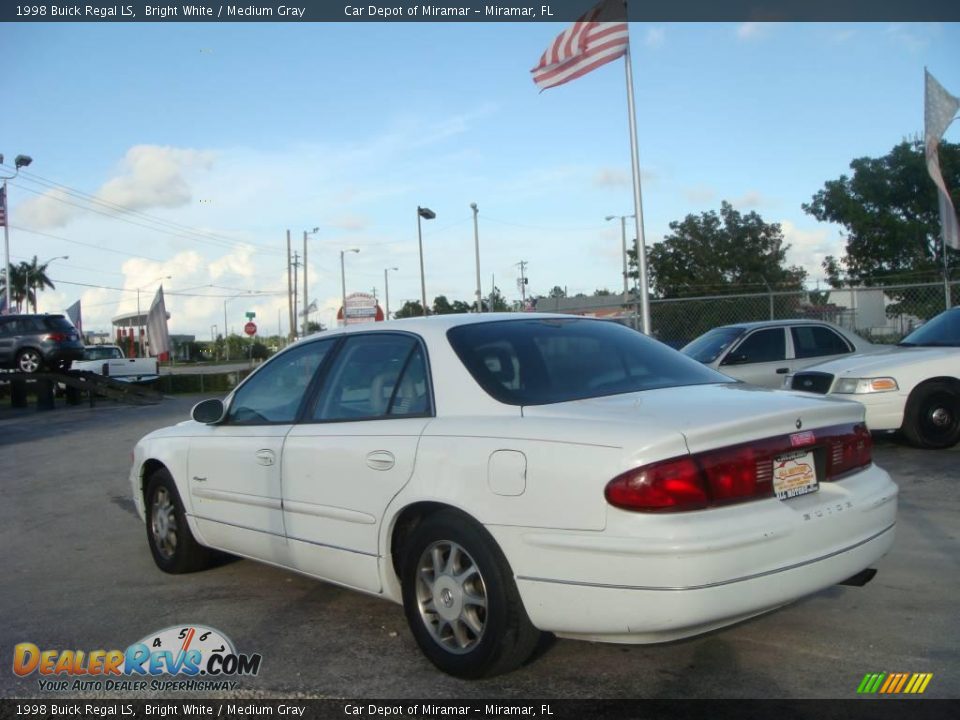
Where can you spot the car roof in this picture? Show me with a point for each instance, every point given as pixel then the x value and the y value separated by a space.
pixel 438 324
pixel 777 323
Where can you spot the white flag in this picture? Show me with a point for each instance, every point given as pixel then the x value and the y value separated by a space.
pixel 940 107
pixel 157 334
pixel 73 312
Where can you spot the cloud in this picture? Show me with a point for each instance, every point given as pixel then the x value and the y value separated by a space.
pixel 611 177
pixel 754 30
pixel 913 36
pixel 700 194
pixel 149 176
pixel 654 37
pixel 239 262
pixel 809 247
pixel 351 222
pixel 751 199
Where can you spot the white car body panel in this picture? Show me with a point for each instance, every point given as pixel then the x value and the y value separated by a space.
pixel 120 368
pixel 534 477
pixel 909 366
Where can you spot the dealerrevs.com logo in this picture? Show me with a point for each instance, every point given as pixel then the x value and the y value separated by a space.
pixel 204 657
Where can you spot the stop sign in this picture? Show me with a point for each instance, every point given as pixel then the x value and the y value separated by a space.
pixel 250 328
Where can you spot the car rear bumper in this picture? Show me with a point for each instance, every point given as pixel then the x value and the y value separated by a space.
pixel 653 578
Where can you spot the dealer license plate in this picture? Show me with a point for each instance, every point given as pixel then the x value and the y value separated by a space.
pixel 794 474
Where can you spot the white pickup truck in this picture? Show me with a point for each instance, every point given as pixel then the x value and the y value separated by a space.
pixel 109 360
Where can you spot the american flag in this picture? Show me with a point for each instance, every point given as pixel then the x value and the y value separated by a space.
pixel 584 46
pixel 3 205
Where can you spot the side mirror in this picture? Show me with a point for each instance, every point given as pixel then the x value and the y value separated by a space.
pixel 208 412
pixel 735 358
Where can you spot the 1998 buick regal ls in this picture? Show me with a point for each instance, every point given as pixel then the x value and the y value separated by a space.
pixel 502 476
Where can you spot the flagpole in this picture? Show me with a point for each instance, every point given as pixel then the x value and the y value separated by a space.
pixel 639 245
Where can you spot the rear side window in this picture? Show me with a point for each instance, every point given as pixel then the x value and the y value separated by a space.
pixel 814 341
pixel 57 322
pixel 536 362
pixel 374 376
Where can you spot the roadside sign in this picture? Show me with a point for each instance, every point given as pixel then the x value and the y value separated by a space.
pixel 250 328
pixel 251 315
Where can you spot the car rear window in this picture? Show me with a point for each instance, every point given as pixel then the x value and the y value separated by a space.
pixel 542 361
pixel 57 322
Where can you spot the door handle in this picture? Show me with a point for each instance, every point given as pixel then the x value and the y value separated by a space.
pixel 381 460
pixel 782 371
pixel 199 479
pixel 265 457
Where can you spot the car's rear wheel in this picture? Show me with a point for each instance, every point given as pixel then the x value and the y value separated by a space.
pixel 29 360
pixel 173 546
pixel 461 601
pixel 932 417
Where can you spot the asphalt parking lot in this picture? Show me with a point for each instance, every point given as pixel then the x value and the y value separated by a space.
pixel 78 575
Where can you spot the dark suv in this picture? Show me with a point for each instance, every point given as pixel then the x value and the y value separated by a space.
pixel 29 343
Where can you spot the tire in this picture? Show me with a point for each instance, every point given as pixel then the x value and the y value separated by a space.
pixel 172 545
pixel 932 416
pixel 29 360
pixel 470 626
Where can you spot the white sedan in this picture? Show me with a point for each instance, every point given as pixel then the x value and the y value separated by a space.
pixel 502 476
pixel 913 387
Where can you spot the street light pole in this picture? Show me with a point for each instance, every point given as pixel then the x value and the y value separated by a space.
pixel 306 299
pixel 386 290
pixel 426 214
pixel 476 247
pixel 343 283
pixel 623 243
pixel 18 162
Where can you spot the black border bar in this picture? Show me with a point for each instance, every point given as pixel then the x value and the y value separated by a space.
pixel 474 11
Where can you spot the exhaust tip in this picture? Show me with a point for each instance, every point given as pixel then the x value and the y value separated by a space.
pixel 861 578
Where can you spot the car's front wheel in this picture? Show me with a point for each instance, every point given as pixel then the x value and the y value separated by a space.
pixel 29 360
pixel 461 601
pixel 932 417
pixel 173 546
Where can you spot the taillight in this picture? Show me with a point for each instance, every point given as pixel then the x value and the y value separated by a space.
pixel 670 485
pixel 56 337
pixel 849 451
pixel 735 474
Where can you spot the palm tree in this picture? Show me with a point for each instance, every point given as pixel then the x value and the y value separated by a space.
pixel 18 284
pixel 35 280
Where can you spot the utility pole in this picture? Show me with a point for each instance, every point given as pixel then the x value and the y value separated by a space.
pixel 306 300
pixel 296 274
pixel 522 282
pixel 289 289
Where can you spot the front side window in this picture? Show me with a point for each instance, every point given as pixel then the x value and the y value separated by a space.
pixel 815 341
pixel 275 392
pixel 762 346
pixel 542 361
pixel 710 345
pixel 375 375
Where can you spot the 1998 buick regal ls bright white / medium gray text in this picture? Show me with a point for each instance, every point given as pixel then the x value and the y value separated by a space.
pixel 503 476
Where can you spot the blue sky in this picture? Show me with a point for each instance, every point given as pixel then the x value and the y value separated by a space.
pixel 241 131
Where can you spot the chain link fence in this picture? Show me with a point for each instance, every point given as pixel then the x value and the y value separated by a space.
pixel 879 314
